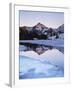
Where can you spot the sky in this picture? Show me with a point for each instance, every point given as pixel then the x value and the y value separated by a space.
pixel 49 19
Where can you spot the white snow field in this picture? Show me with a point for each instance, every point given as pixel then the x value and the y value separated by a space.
pixel 48 64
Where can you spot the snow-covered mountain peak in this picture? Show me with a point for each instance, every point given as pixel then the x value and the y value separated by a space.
pixel 40 26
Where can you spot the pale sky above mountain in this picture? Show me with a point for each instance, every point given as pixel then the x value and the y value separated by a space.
pixel 49 19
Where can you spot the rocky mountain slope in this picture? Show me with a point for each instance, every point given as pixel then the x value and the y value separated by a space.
pixel 40 31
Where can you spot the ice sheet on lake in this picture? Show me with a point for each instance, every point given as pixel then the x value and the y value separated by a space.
pixel 48 64
pixel 53 56
pixel 54 43
pixel 35 69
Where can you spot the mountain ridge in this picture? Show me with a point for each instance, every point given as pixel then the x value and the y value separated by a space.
pixel 39 31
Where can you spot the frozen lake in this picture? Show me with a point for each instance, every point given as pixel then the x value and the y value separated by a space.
pixel 48 64
pixel 54 43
